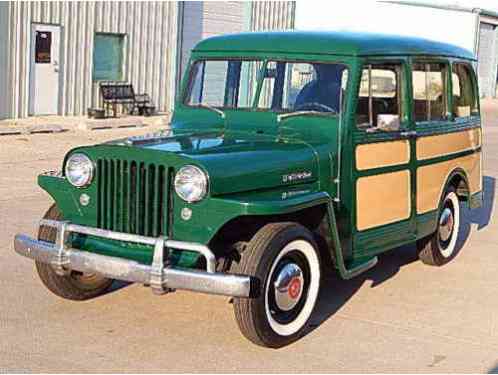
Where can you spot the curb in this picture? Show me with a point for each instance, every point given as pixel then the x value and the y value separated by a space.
pixel 17 128
pixel 32 129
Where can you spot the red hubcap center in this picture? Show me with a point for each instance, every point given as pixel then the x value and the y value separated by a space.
pixel 294 288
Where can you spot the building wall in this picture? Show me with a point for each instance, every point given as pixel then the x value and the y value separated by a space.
pixel 154 31
pixel 4 37
pixel 272 15
pixel 150 28
pixel 488 59
pixel 205 19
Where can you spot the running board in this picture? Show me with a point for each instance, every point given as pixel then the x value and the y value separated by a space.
pixel 359 269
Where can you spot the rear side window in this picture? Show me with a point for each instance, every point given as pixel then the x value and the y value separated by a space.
pixel 429 91
pixel 464 95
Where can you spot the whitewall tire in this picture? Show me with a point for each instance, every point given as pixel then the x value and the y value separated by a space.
pixel 284 262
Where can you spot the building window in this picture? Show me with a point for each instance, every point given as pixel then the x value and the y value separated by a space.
pixel 464 97
pixel 43 46
pixel 108 57
pixel 429 92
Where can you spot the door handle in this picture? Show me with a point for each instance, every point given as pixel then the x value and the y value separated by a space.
pixel 409 134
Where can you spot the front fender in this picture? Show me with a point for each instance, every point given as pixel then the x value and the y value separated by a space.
pixel 209 216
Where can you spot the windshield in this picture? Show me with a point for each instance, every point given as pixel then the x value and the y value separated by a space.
pixel 302 86
pixel 223 83
pixel 286 86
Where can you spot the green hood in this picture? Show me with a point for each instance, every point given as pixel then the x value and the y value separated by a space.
pixel 234 161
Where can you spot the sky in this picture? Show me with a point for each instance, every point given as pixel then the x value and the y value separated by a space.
pixel 372 16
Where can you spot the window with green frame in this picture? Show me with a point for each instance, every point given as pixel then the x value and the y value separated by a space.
pixel 108 57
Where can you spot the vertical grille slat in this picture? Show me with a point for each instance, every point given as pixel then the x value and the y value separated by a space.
pixel 109 194
pixel 137 197
pixel 155 202
pixel 122 203
pixel 117 192
pixel 133 197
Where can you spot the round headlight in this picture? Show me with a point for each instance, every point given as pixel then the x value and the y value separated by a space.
pixel 191 183
pixel 79 170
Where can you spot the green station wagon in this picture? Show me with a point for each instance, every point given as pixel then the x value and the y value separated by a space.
pixel 288 152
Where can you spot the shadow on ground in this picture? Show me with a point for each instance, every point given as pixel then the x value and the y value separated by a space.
pixel 482 216
pixel 494 369
pixel 336 292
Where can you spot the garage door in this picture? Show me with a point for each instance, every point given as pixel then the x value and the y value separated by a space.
pixel 487 59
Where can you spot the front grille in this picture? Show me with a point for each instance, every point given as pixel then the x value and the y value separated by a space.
pixel 133 197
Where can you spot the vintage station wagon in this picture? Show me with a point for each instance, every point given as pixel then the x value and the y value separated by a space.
pixel 288 152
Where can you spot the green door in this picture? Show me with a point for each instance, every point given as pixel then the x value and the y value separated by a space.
pixel 382 166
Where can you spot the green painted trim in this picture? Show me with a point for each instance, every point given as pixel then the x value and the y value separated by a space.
pixel 357 269
pixel 426 223
pixel 440 159
pixel 425 129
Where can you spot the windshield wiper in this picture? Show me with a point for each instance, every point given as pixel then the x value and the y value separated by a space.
pixel 207 106
pixel 283 116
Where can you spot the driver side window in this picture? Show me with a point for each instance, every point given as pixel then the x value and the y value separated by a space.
pixel 380 97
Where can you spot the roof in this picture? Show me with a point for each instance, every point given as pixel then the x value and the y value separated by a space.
pixel 331 43
pixel 456 7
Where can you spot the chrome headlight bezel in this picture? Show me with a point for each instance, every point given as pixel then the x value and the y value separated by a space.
pixel 193 175
pixel 86 167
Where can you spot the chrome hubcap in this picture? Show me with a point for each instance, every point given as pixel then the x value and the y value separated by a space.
pixel 446 224
pixel 288 287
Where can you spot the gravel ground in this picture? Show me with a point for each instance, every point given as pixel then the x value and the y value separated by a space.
pixel 400 316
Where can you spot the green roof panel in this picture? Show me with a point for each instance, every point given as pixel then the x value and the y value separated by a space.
pixel 331 43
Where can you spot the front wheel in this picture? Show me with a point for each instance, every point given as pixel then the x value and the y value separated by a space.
pixel 76 286
pixel 440 247
pixel 284 261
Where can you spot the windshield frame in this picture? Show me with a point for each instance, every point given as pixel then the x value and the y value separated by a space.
pixel 254 107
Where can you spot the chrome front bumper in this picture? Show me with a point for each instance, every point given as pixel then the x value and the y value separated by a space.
pixel 160 277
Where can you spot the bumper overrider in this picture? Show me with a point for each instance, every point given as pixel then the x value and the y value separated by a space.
pixel 159 276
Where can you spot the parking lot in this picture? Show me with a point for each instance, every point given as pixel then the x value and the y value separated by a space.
pixel 400 316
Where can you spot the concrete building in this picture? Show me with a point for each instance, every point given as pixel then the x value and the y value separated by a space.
pixel 53 54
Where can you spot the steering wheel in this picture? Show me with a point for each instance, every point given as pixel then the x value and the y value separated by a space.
pixel 314 106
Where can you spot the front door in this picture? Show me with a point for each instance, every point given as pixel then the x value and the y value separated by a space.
pixel 383 176
pixel 45 70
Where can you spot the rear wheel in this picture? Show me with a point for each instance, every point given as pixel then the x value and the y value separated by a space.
pixel 284 261
pixel 74 286
pixel 440 247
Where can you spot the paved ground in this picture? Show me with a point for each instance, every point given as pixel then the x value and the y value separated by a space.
pixel 400 316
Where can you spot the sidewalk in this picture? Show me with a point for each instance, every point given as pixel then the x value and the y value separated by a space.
pixel 56 124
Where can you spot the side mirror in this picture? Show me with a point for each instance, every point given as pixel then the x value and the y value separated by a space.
pixel 388 123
